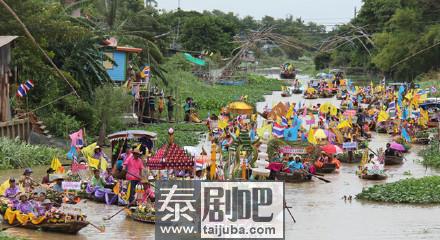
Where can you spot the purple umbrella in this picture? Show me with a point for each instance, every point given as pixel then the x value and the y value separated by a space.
pixel 397 147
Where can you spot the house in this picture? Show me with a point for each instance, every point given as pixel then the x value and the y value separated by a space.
pixel 118 67
pixel 5 75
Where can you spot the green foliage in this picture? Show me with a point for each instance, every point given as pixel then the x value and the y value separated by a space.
pixel 61 124
pixel 4 236
pixel 431 155
pixel 322 60
pixel 18 154
pixel 419 191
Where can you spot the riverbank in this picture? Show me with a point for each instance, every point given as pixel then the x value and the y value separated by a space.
pixel 17 154
pixel 7 237
pixel 424 190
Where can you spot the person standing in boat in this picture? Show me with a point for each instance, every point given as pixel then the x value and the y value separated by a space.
pixel 26 180
pixel 133 166
pixel 389 151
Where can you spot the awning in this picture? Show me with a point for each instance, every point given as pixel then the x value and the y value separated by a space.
pixel 194 60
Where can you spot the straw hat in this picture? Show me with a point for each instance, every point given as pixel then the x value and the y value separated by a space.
pixel 136 151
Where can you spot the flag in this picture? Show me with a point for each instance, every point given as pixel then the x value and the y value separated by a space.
pixel 311 138
pixel 93 162
pixel 24 88
pixel 392 109
pixel 56 165
pixel 312 120
pixel 3 187
pixel 383 116
pixel 405 135
pixel 278 130
pixel 433 89
pixel 72 154
pixel 145 73
pixel 383 81
pixel 89 150
pixel 405 114
pixel 290 111
pixel 77 138
pixel 284 121
pixel 305 111
pixel 265 128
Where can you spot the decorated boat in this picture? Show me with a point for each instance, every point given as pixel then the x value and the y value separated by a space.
pixel 286 94
pixel 326 168
pixel 295 177
pixel 142 214
pixel 374 177
pixel 421 141
pixel 297 91
pixel 54 222
pixel 310 96
pixel 393 160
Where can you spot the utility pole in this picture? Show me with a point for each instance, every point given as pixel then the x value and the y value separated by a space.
pixel 355 12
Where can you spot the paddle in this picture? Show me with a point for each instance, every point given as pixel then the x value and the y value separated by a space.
pixel 316 176
pixel 108 218
pixel 100 228
pixel 288 210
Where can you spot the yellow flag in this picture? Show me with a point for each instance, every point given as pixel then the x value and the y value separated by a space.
pixel 104 164
pixel 333 111
pixel 265 128
pixel 311 137
pixel 56 165
pixel 290 111
pixel 383 116
pixel 4 186
pixel 93 162
pixel 222 124
pixel 89 150
pixel 116 188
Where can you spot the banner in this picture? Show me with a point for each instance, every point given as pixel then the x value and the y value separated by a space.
pixel 349 145
pixel 71 185
pixel 292 150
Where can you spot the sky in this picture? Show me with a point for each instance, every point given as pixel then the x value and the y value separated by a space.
pixel 327 12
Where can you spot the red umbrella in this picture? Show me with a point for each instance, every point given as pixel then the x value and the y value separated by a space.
pixel 332 149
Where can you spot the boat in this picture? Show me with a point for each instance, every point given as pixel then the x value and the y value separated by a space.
pixel 374 177
pixel 49 225
pixel 292 177
pixel 297 91
pixel 422 141
pixel 393 160
pixel 310 96
pixel 136 215
pixel 432 124
pixel 286 94
pixel 327 168
pixel 346 159
pixel 287 71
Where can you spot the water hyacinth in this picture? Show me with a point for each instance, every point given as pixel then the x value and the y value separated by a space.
pixel 15 153
pixel 416 191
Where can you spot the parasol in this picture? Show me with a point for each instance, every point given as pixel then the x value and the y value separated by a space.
pixel 320 134
pixel 397 147
pixel 332 149
pixel 240 108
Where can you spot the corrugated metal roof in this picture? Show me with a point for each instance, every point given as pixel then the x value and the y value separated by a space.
pixel 6 39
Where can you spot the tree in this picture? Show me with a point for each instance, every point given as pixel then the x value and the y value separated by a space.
pixel 110 103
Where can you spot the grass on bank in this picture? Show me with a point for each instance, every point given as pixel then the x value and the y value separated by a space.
pixel 431 155
pixel 17 154
pixel 415 191
pixel 4 236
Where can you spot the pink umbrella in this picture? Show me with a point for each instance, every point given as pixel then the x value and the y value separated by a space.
pixel 332 149
pixel 397 147
pixel 350 113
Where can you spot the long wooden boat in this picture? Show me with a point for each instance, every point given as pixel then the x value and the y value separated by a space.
pixel 375 177
pixel 285 94
pixel 292 177
pixel 310 97
pixel 68 227
pixel 393 160
pixel 133 214
pixel 327 168
pixel 422 141
pixel 297 91
pixel 432 124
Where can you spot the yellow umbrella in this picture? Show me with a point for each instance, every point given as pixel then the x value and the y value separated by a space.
pixel 326 107
pixel 344 124
pixel 240 108
pixel 320 134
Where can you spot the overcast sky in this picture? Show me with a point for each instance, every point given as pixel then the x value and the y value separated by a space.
pixel 326 12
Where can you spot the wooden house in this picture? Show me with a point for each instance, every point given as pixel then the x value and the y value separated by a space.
pixel 5 75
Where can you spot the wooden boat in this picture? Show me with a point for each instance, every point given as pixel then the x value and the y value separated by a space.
pixel 422 141
pixel 375 177
pixel 292 177
pixel 432 124
pixel 135 215
pixel 346 159
pixel 297 91
pixel 327 168
pixel 310 97
pixel 285 94
pixel 326 94
pixel 69 227
pixel 393 160
pixel 381 129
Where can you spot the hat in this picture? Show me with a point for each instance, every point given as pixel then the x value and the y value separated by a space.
pixel 27 171
pixel 55 177
pixel 97 147
pixel 11 179
pixel 150 178
pixel 46 201
pixel 136 151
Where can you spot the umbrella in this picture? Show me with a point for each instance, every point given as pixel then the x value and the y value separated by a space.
pixel 332 149
pixel 350 113
pixel 320 134
pixel 240 108
pixel 325 107
pixel 397 146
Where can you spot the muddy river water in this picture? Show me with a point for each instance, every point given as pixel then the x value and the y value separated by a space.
pixel 317 206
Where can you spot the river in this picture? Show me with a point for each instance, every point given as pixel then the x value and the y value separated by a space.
pixel 318 207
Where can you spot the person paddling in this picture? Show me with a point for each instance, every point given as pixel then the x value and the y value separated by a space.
pixel 133 165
